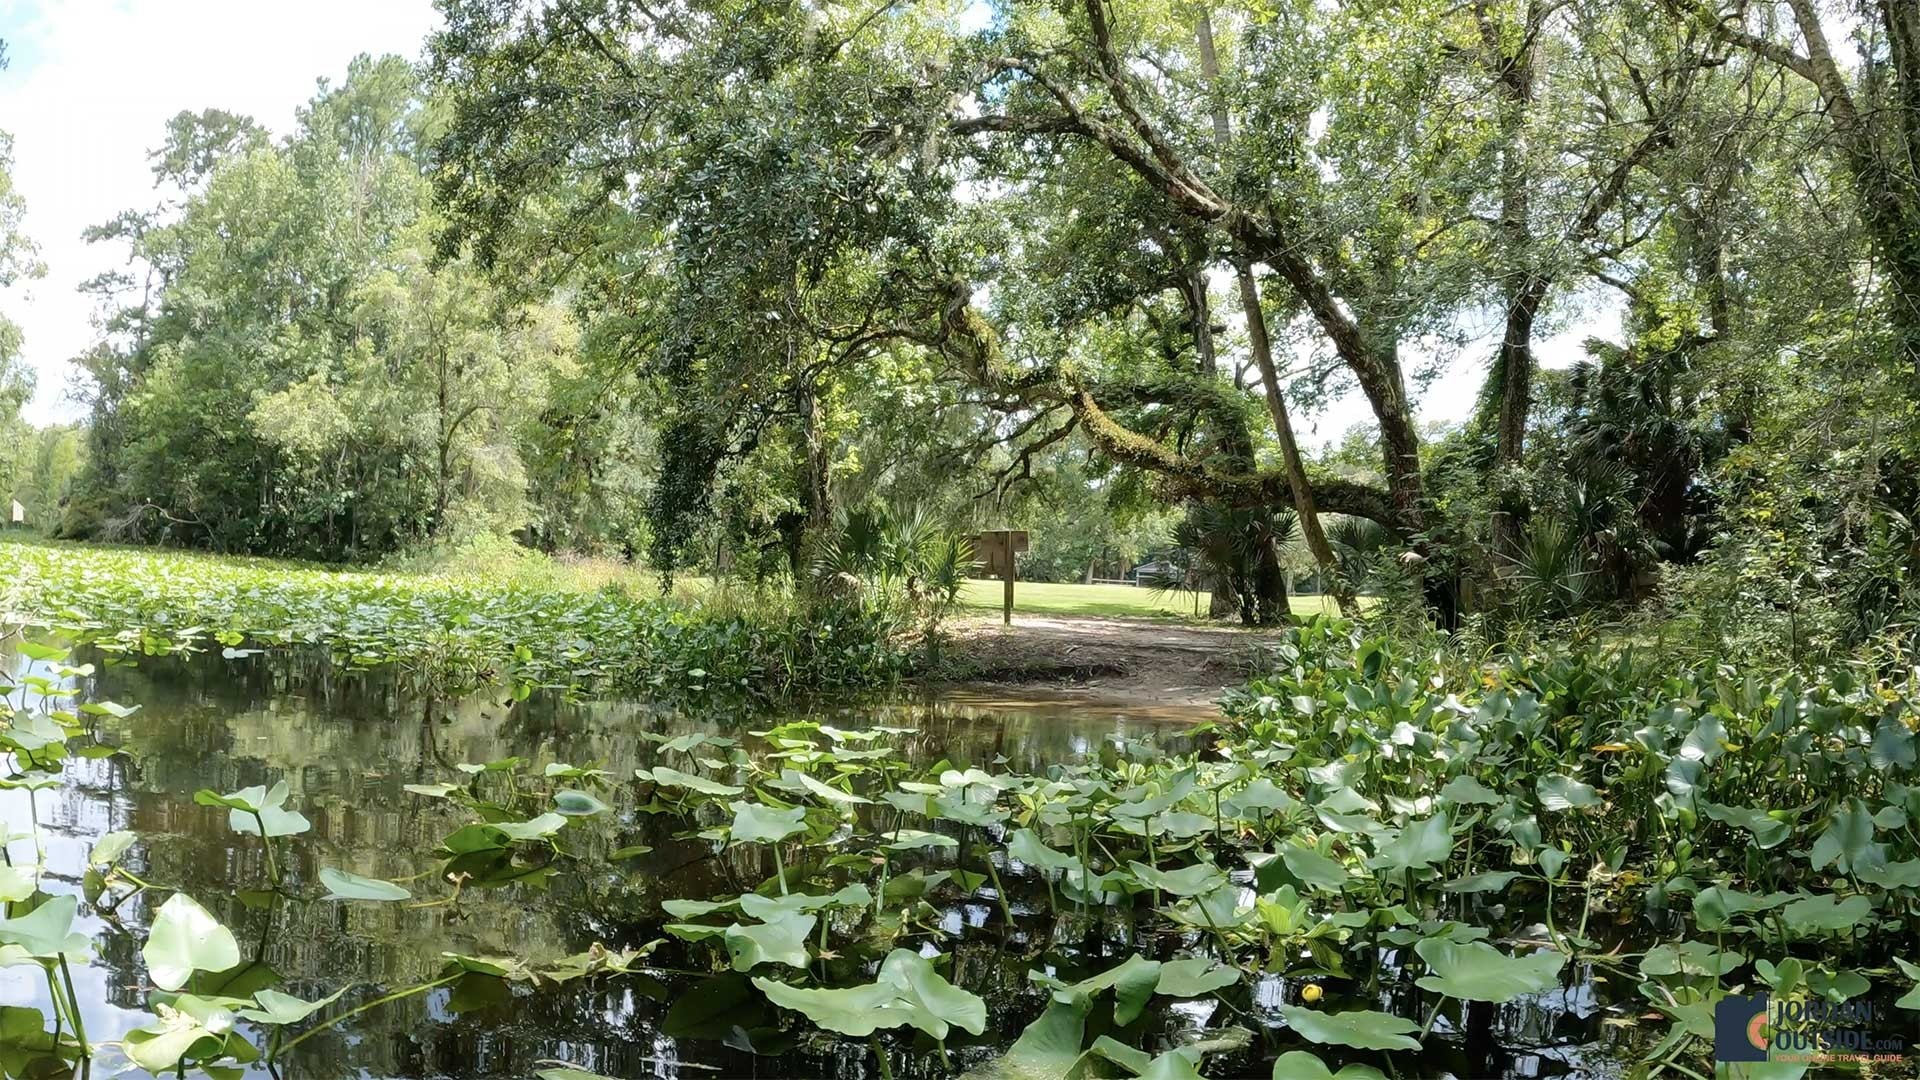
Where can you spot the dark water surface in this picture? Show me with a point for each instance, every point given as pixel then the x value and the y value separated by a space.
pixel 347 743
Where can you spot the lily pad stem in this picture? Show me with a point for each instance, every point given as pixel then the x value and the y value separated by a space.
pixel 358 1009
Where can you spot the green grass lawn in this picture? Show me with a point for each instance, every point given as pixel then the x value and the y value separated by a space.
pixel 1051 598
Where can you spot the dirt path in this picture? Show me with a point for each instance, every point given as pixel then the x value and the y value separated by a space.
pixel 1135 660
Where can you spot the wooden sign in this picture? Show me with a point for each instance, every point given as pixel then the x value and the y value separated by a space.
pixel 997 552
pixel 19 513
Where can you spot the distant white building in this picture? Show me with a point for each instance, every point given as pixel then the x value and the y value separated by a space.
pixel 19 513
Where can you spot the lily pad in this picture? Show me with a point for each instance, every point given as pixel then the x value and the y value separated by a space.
pixel 1366 1029
pixel 1187 881
pixel 1300 1065
pixel 754 823
pixel 578 804
pixel 825 791
pixel 1489 881
pixel 781 940
pixel 907 992
pixel 267 803
pixel 344 886
pixel 1194 977
pixel 1313 868
pixel 1417 846
pixel 274 1007
pixel 47 931
pixel 185 939
pixel 1560 792
pixel 1476 971
pixel 666 777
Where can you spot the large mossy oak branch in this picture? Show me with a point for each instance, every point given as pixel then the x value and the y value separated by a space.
pixel 966 338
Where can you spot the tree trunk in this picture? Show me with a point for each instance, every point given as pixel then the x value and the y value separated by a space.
pixel 1262 347
pixel 1512 375
pixel 1198 307
pixel 815 491
pixel 1902 20
pixel 1303 501
pixel 1223 601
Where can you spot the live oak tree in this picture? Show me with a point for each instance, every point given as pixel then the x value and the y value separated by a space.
pixel 1138 227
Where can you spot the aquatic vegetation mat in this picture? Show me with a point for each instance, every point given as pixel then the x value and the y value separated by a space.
pixel 1372 865
pixel 451 632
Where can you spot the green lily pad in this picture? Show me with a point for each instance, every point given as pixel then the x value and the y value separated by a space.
pixel 1826 914
pixel 1768 831
pixel 1132 981
pixel 1466 791
pixel 1194 977
pixel 1417 846
pixel 754 823
pixel 825 791
pixel 1560 792
pixel 1300 1065
pixel 431 791
pixel 16 883
pixel 540 828
pixel 578 804
pixel 1476 971
pixel 47 931
pixel 666 777
pixel 1313 868
pixel 1026 846
pixel 274 1007
pixel 188 1027
pixel 267 803
pixel 344 886
pixel 1365 1029
pixel 782 940
pixel 766 908
pixel 1187 881
pixel 109 848
pixel 186 939
pixel 914 839
pixel 907 992
pixel 1489 881
pixel 1910 999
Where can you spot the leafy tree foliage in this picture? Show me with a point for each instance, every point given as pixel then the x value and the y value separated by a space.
pixel 18 261
pixel 292 371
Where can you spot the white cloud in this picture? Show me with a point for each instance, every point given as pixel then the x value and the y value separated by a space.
pixel 90 88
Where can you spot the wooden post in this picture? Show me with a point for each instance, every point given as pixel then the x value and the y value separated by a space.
pixel 997 552
pixel 1006 601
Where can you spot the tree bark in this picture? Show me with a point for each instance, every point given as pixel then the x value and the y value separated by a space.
pixel 1262 347
pixel 815 490
pixel 960 334
pixel 1512 376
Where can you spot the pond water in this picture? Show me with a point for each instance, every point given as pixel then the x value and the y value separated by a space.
pixel 346 745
